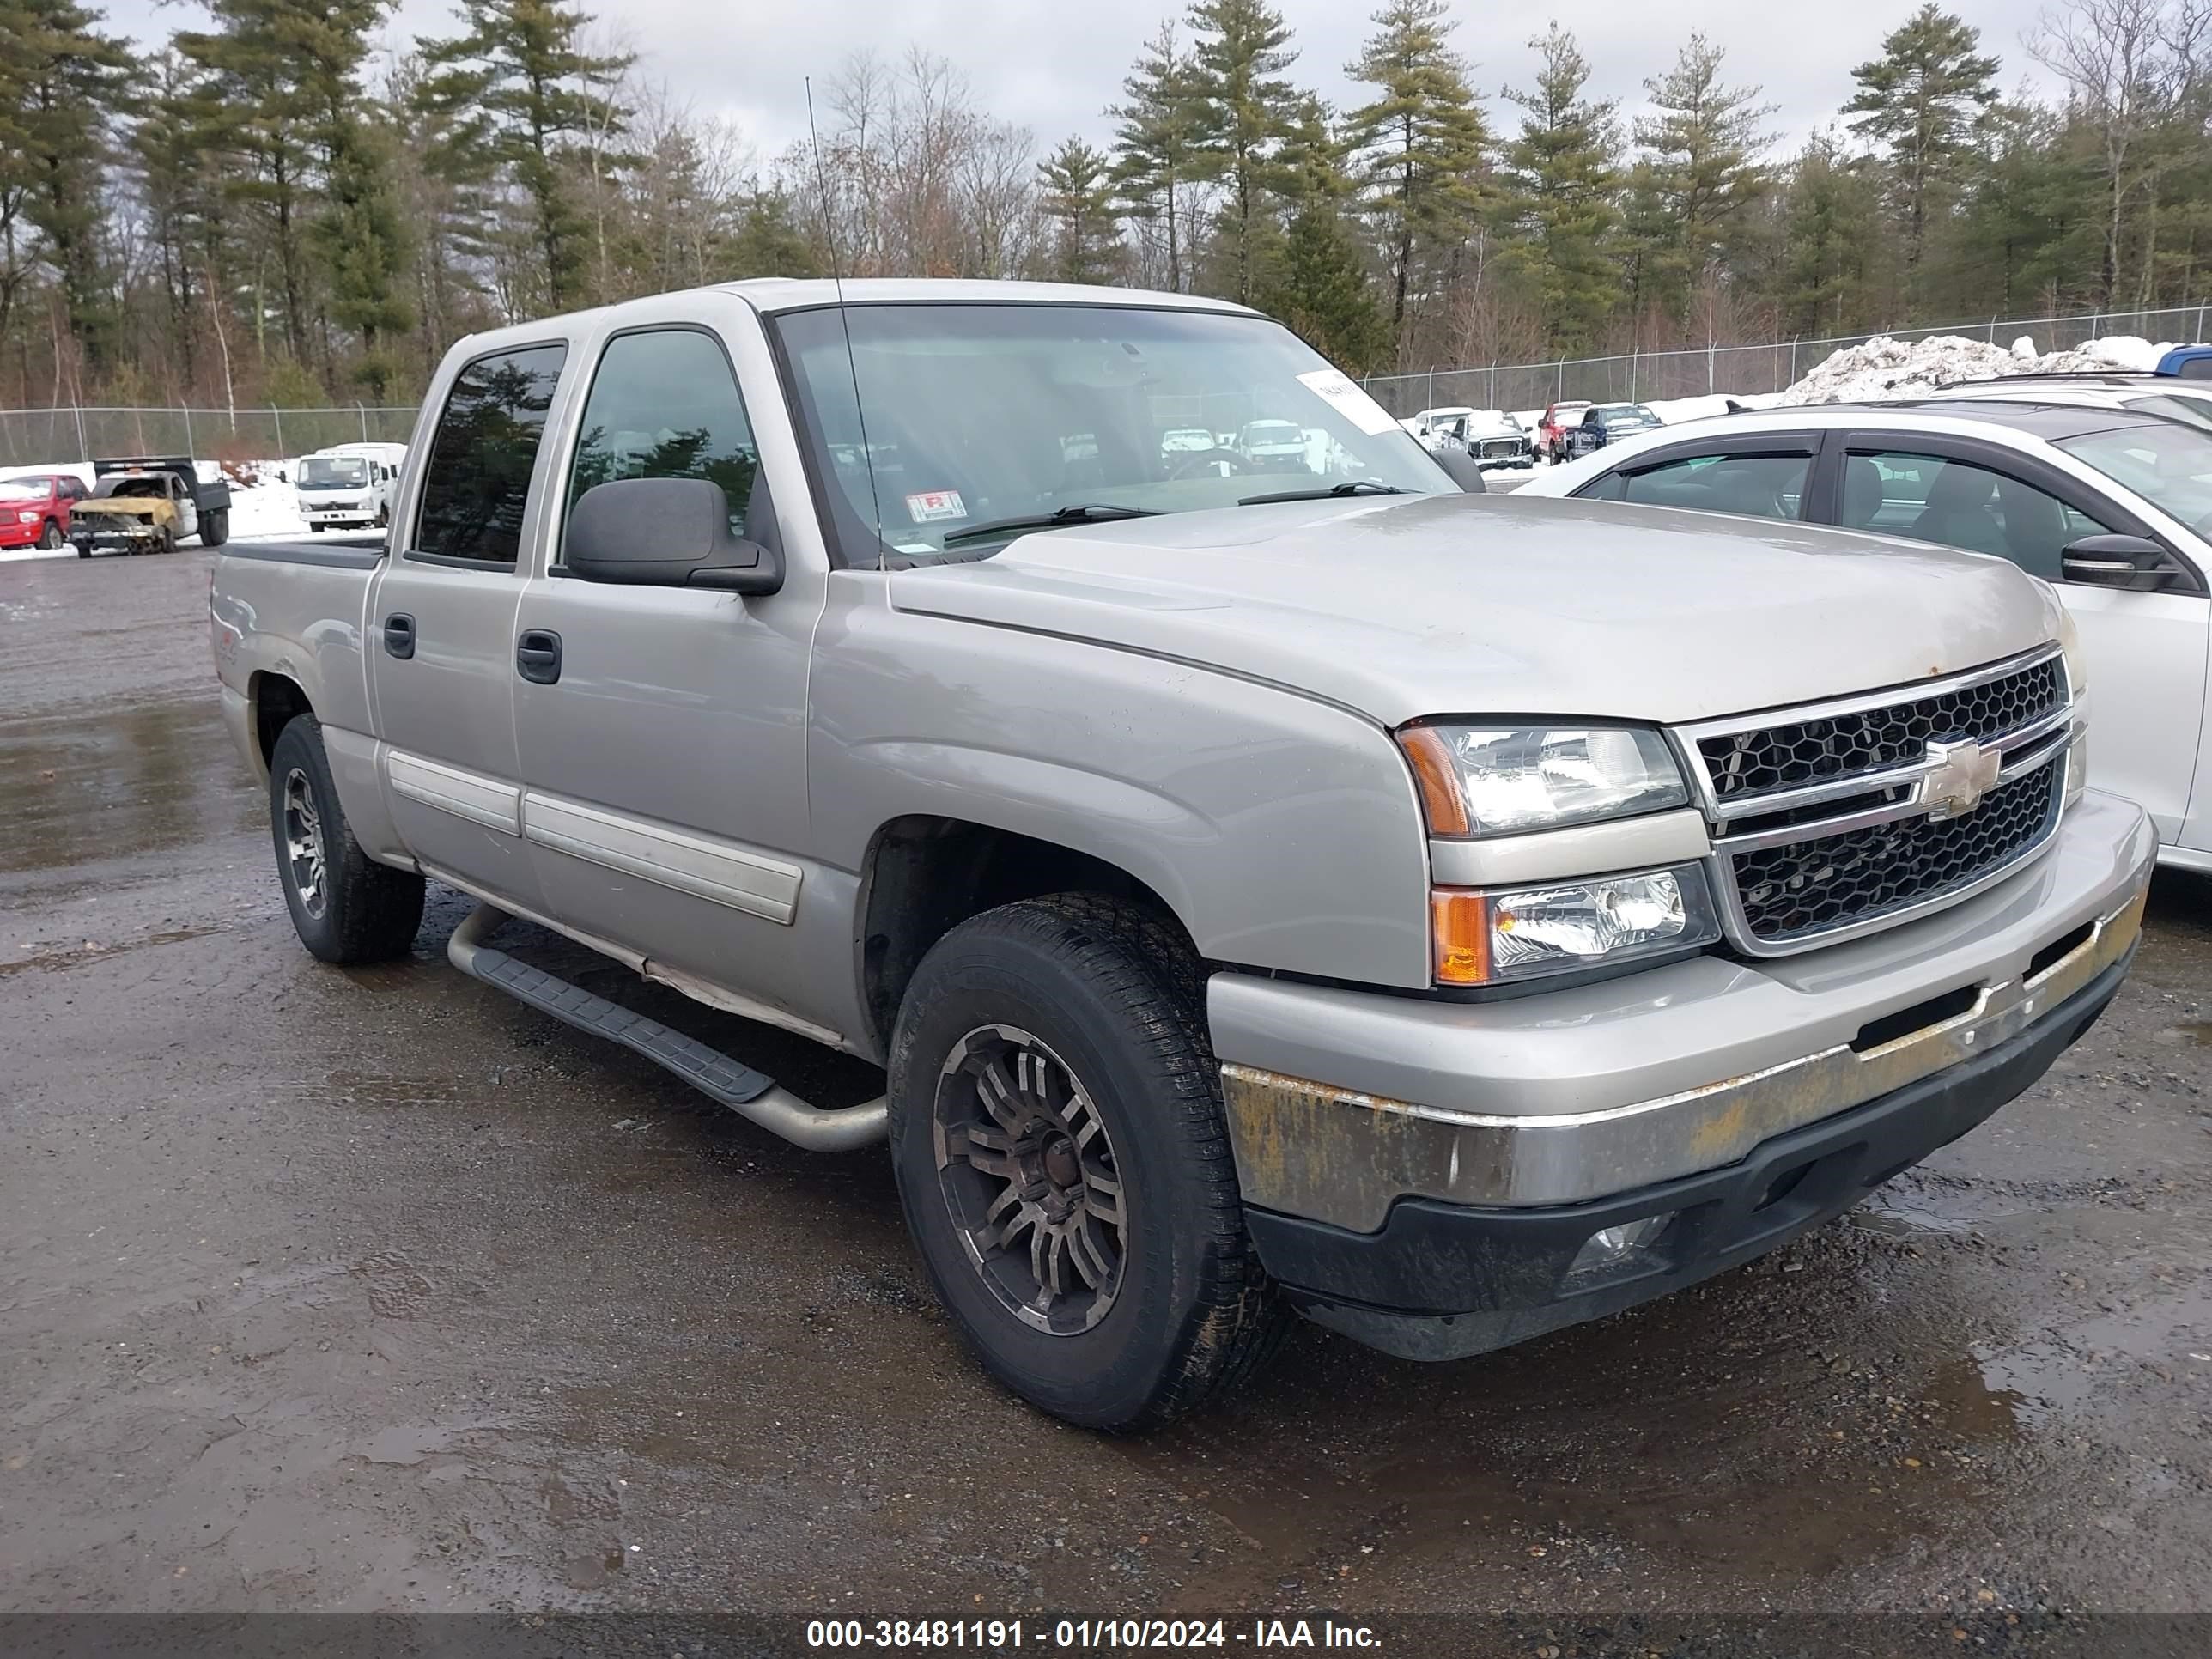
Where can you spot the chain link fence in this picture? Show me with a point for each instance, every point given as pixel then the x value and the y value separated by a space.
pixel 1738 370
pixel 38 437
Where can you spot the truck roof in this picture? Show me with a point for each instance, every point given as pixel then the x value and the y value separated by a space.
pixel 771 294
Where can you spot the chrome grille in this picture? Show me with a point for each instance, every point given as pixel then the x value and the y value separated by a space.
pixel 1842 818
pixel 1497 448
pixel 1769 758
pixel 1804 888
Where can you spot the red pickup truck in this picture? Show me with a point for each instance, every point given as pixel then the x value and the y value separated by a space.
pixel 35 509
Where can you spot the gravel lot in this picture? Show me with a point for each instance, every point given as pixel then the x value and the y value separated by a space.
pixel 373 1291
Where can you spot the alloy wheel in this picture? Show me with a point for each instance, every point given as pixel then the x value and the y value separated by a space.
pixel 303 841
pixel 1028 1172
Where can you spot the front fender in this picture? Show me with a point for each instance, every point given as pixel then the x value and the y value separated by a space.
pixel 1283 831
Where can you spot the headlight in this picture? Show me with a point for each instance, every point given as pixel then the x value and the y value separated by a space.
pixel 1484 938
pixel 27 518
pixel 1499 781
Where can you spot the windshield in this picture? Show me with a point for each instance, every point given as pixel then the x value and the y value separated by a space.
pixel 2167 464
pixel 978 413
pixel 2196 411
pixel 25 489
pixel 332 472
pixel 135 486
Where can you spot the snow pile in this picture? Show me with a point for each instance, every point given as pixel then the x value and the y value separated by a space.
pixel 1884 367
pixel 264 506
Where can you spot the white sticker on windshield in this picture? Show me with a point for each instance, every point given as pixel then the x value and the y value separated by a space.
pixel 1336 388
pixel 931 504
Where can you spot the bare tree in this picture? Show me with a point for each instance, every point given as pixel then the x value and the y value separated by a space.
pixel 2128 65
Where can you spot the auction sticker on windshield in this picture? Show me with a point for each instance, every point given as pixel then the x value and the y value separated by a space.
pixel 932 504
pixel 1334 387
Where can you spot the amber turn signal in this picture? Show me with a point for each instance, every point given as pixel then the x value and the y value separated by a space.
pixel 1459 933
pixel 1438 775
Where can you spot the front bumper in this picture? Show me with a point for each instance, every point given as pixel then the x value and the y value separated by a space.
pixel 1442 1281
pixel 1347 1107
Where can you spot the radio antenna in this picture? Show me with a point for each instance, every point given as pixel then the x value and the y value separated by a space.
pixel 844 319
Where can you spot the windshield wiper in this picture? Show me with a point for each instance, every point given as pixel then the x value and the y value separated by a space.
pixel 1090 512
pixel 1356 487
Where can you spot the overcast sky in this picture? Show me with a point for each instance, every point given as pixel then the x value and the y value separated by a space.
pixel 1054 67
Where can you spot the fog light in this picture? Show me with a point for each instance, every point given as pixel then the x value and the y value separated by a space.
pixel 1613 1247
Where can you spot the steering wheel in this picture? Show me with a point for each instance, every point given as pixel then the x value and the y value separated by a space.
pixel 1209 464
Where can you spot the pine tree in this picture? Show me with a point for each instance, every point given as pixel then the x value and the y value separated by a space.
pixel 1244 109
pixel 1320 285
pixel 1918 100
pixel 1831 236
pixel 521 97
pixel 260 115
pixel 62 83
pixel 358 234
pixel 1156 143
pixel 1077 196
pixel 182 186
pixel 1692 191
pixel 1560 180
pixel 1421 139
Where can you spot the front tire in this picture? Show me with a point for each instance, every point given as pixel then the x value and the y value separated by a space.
pixel 50 537
pixel 345 907
pixel 1058 1140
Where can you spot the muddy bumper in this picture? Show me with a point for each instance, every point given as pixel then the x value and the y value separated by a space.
pixel 1440 1179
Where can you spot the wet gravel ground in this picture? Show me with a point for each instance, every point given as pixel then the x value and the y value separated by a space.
pixel 374 1290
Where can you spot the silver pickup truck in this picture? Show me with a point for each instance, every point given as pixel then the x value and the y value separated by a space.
pixel 1271 877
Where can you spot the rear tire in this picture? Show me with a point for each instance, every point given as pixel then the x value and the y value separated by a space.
pixel 345 907
pixel 214 527
pixel 1058 1140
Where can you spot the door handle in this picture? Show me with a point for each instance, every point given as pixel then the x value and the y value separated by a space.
pixel 399 635
pixel 538 655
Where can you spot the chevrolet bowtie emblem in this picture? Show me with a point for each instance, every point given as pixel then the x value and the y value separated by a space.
pixel 1963 774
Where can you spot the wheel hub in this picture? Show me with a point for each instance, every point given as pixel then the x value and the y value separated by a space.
pixel 1028 1172
pixel 303 841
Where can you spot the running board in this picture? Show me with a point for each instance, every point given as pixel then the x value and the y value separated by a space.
pixel 751 1094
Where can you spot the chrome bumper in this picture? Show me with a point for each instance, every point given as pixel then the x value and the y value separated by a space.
pixel 1340 1103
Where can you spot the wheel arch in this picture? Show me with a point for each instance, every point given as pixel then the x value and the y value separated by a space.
pixel 925 873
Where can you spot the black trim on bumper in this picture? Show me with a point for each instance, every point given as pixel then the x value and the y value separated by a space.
pixel 1441 1281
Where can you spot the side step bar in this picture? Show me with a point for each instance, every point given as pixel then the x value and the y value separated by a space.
pixel 751 1094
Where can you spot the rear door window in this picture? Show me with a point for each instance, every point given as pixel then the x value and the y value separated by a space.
pixel 476 480
pixel 1955 503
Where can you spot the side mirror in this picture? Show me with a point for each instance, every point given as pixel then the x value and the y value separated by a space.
pixel 665 533
pixel 1459 466
pixel 2134 562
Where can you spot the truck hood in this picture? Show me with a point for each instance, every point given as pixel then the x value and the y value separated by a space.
pixel 128 506
pixel 1442 605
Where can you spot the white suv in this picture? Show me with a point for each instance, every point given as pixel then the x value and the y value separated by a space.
pixel 2096 490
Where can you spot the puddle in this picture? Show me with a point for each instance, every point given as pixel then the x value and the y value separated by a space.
pixel 2089 1364
pixel 1920 1203
pixel 117 783
pixel 2196 1032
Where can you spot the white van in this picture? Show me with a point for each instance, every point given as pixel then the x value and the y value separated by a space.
pixel 346 485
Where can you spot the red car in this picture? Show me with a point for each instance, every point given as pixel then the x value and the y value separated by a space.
pixel 35 509
pixel 1552 430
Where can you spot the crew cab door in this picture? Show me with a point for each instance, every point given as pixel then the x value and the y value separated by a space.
pixel 662 730
pixel 441 626
pixel 2145 652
